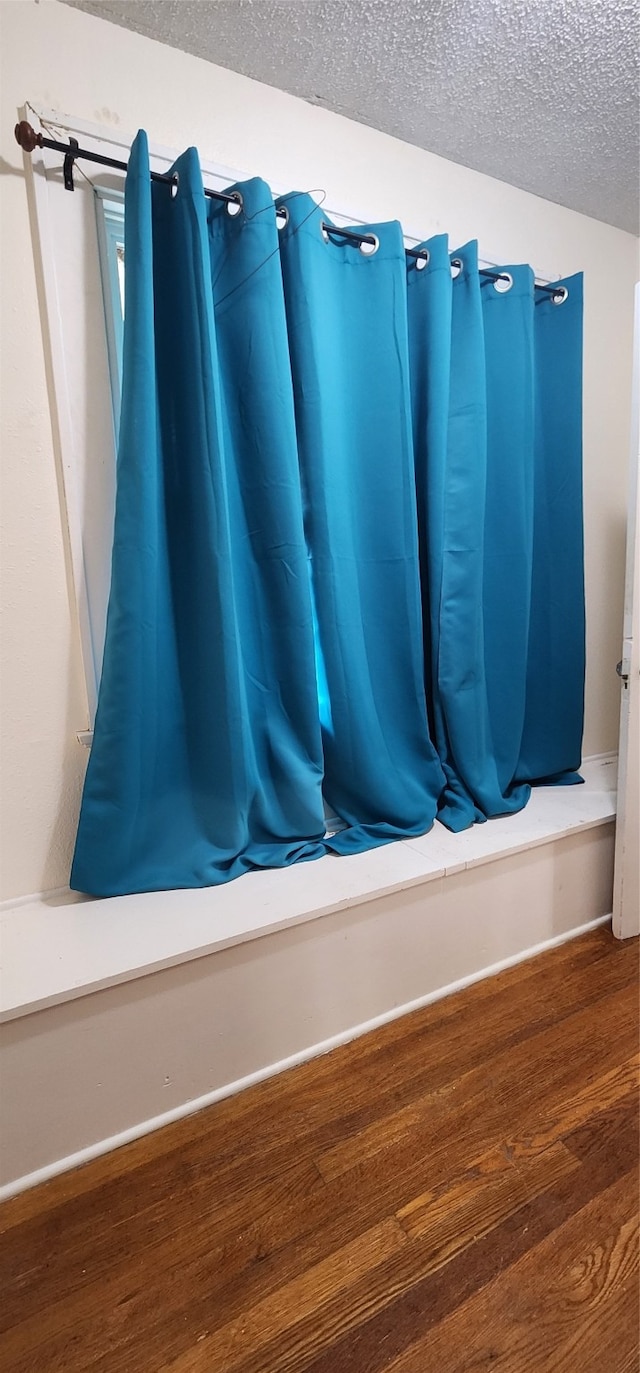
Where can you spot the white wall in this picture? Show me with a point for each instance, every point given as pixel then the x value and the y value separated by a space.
pixel 59 58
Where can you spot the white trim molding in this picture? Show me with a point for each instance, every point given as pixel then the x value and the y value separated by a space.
pixel 85 945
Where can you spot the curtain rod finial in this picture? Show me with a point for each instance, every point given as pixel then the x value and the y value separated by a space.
pixel 27 137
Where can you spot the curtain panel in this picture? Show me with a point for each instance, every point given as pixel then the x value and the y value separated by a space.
pixel 347 561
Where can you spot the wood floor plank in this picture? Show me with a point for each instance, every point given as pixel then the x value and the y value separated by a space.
pixel 616 1128
pixel 468 1204
pixel 269 1218
pixel 490 1189
pixel 416 1301
pixel 293 1303
pixel 598 1096
pixel 523 1076
pixel 331 1220
pixel 400 1277
pixel 570 1303
pixel 170 1240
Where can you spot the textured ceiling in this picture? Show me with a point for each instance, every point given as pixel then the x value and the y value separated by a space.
pixel 540 93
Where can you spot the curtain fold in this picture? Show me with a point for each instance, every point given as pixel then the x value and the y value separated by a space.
pixel 207 756
pixel 348 338
pixel 552 737
pixel 347 561
pixel 474 484
pixel 508 316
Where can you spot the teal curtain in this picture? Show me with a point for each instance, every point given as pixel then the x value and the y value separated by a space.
pixel 347 559
pixel 552 736
pixel 207 755
pixel 490 368
pixel 348 336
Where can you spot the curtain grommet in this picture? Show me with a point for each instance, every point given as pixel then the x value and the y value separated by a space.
pixel 503 283
pixel 235 205
pixel 282 217
pixel 175 185
pixel 368 248
pixel 423 260
pixel 559 296
pixel 456 267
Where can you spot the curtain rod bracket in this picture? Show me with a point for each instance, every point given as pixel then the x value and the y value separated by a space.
pixel 28 139
pixel 67 166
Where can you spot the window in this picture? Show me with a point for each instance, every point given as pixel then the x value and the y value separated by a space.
pixel 110 218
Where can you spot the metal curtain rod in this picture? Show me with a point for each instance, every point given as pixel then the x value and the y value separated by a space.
pixel 28 139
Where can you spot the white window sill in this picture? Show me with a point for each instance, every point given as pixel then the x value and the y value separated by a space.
pixel 57 947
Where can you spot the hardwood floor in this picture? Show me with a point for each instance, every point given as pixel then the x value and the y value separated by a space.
pixel 453 1193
